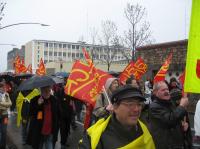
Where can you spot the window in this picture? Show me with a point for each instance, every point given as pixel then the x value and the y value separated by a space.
pixel 64 54
pixel 55 53
pixel 69 54
pixel 77 54
pixel 46 45
pixel 60 45
pixel 81 55
pixel 60 53
pixel 77 46
pixel 73 55
pixel 55 45
pixel 50 45
pixel 73 46
pixel 64 45
pixel 38 47
pixel 45 53
pixel 45 61
pixel 69 46
pixel 50 53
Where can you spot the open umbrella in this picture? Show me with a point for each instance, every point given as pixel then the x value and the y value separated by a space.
pixel 36 82
pixel 58 79
pixel 62 74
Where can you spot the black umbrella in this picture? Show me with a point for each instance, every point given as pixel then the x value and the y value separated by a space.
pixel 58 79
pixel 36 82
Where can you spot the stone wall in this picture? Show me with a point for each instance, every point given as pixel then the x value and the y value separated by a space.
pixel 155 55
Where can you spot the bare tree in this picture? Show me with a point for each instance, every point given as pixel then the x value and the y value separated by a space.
pixel 2 6
pixel 109 33
pixel 139 33
pixel 93 35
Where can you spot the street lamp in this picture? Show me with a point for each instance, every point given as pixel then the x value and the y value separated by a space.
pixel 6 44
pixel 22 24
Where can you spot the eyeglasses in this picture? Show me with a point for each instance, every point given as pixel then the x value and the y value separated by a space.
pixel 133 104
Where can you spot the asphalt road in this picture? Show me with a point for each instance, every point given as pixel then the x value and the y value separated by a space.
pixel 14 139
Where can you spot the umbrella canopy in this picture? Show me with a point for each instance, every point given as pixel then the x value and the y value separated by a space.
pixel 36 82
pixel 62 74
pixel 58 79
pixel 7 77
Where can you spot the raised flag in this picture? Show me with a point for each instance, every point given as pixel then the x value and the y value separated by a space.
pixel 85 82
pixel 160 76
pixel 192 76
pixel 136 69
pixel 41 69
pixel 22 68
pixel 17 64
pixel 86 54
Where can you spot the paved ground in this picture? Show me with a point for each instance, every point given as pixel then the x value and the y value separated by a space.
pixel 15 141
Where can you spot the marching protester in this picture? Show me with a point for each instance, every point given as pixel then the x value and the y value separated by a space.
pixel 102 106
pixel 5 104
pixel 165 120
pixel 132 81
pixel 23 109
pixel 65 112
pixel 122 129
pixel 43 129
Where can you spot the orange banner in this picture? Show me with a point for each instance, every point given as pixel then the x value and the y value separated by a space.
pixel 160 76
pixel 41 69
pixel 137 69
pixel 85 82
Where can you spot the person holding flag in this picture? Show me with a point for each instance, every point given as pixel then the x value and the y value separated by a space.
pixel 122 129
pixel 103 106
pixel 165 119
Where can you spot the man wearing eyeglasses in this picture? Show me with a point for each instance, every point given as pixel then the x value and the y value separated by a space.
pixel 122 129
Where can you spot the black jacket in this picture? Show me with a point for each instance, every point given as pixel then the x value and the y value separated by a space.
pixel 34 133
pixel 165 124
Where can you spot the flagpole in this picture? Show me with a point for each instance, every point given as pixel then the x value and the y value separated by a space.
pixel 106 94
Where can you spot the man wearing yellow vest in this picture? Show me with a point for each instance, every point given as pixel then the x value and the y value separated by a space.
pixel 122 129
pixel 23 106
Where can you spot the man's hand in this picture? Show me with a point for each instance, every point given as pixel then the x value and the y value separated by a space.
pixel 184 101
pixel 185 126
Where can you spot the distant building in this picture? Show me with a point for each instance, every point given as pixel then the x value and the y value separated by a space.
pixel 12 54
pixel 155 55
pixel 59 56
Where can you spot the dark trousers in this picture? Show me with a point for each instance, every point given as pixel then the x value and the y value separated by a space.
pixel 64 130
pixel 3 131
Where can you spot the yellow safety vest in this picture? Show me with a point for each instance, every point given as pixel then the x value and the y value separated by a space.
pixel 144 141
pixel 20 100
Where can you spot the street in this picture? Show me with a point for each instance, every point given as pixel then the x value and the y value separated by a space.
pixel 14 138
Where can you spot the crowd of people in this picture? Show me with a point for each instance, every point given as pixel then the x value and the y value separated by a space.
pixel 136 114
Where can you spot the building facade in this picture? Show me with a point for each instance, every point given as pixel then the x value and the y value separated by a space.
pixel 60 56
pixel 155 55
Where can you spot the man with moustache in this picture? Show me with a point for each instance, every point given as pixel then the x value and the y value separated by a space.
pixel 122 129
pixel 165 119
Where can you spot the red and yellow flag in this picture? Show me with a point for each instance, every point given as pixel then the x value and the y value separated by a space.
pixel 85 82
pixel 23 68
pixel 17 64
pixel 41 69
pixel 86 54
pixel 160 76
pixel 137 69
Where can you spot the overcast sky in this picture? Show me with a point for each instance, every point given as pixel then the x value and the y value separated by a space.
pixel 70 20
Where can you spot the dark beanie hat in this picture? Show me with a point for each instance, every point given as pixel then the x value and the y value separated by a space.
pixel 127 91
